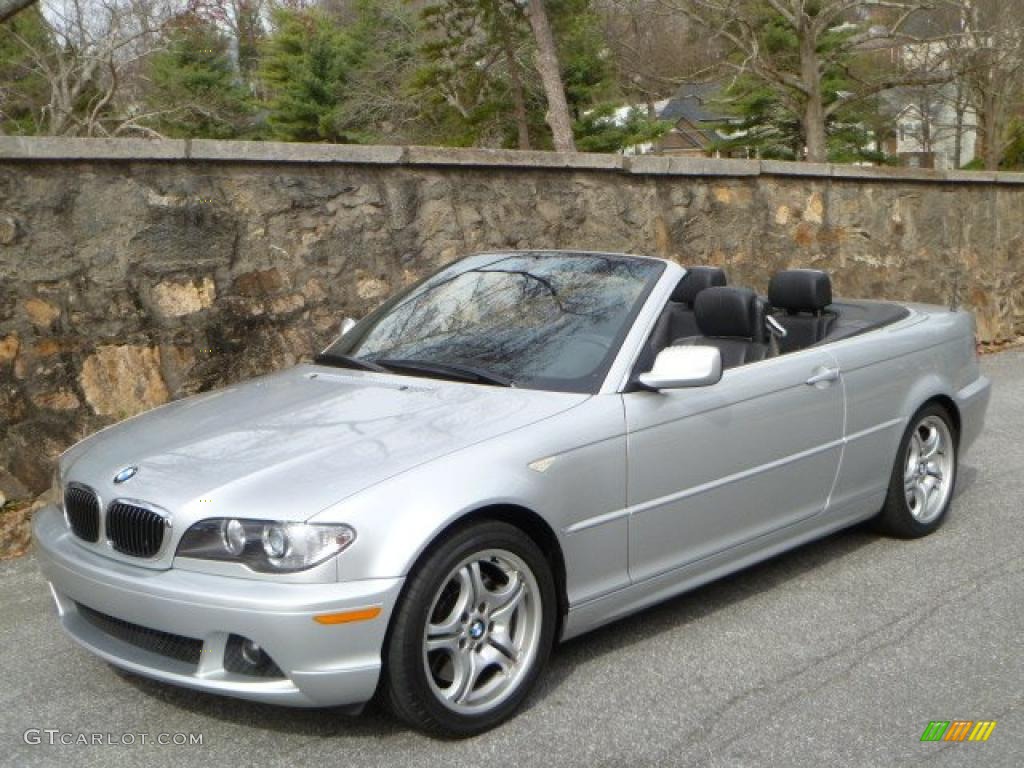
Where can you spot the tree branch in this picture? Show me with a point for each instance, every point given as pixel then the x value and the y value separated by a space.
pixel 873 89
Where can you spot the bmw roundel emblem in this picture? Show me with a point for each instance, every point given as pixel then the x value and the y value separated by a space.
pixel 126 474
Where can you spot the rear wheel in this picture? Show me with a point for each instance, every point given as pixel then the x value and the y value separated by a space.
pixel 472 632
pixel 923 479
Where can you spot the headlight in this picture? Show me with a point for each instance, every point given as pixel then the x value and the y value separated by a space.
pixel 266 546
pixel 234 537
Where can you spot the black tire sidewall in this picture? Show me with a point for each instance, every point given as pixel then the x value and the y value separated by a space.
pixel 409 691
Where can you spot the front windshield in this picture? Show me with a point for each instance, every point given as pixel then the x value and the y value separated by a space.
pixel 542 320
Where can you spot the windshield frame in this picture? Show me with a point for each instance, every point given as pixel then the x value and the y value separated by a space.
pixel 592 383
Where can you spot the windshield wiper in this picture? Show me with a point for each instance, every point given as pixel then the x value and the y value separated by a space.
pixel 346 361
pixel 448 370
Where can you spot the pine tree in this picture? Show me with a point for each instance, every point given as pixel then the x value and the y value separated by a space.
pixel 24 92
pixel 338 79
pixel 477 83
pixel 195 89
pixel 587 70
pixel 770 127
pixel 600 130
pixel 472 84
pixel 373 106
pixel 305 68
pixel 591 84
pixel 1013 157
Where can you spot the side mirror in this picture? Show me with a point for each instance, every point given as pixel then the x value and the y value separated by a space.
pixel 679 367
pixel 347 325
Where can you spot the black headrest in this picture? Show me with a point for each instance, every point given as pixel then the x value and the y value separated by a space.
pixel 800 290
pixel 696 280
pixel 730 312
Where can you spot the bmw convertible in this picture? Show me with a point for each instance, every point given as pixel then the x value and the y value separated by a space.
pixel 518 449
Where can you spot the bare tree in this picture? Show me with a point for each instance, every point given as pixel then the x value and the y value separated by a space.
pixel 827 34
pixel 655 48
pixel 10 7
pixel 551 76
pixel 94 44
pixel 991 57
pixel 938 114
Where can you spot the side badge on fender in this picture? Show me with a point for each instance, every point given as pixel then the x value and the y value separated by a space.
pixel 542 465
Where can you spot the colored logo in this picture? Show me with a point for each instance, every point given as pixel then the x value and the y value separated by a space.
pixel 126 474
pixel 958 730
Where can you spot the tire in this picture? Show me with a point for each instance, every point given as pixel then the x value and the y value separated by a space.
pixel 923 476
pixel 471 633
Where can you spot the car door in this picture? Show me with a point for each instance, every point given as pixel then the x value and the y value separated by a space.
pixel 712 467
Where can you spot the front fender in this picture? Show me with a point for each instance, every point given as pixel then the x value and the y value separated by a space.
pixel 565 469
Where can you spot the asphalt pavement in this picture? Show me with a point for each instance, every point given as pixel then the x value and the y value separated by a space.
pixel 836 654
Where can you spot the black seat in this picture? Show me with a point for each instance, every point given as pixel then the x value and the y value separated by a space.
pixel 677 320
pixel 733 320
pixel 803 297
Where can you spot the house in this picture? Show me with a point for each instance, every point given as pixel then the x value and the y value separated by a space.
pixel 934 129
pixel 935 124
pixel 697 122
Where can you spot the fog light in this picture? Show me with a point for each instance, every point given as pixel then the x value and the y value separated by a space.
pixel 252 653
pixel 242 656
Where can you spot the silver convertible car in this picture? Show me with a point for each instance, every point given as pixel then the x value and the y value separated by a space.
pixel 518 449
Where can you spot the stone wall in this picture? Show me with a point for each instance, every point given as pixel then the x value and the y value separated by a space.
pixel 132 272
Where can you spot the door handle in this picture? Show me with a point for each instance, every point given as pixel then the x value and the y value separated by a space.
pixel 823 376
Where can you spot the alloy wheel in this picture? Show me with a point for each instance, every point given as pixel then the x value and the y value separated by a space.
pixel 928 469
pixel 483 631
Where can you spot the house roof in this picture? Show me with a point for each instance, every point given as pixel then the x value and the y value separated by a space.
pixel 694 103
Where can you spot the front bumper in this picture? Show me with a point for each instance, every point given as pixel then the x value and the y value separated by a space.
pixel 322 665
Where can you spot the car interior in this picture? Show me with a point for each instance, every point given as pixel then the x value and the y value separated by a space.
pixel 798 312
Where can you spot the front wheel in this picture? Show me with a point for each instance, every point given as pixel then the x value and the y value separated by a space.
pixel 472 632
pixel 923 479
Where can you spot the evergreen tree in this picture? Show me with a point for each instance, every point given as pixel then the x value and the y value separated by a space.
pixel 195 88
pixel 770 127
pixel 24 92
pixel 591 84
pixel 477 84
pixel 1013 158
pixel 336 81
pixel 587 69
pixel 305 68
pixel 765 128
pixel 373 105
pixel 601 130
pixel 472 83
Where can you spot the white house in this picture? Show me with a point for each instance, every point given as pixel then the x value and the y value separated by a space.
pixel 934 129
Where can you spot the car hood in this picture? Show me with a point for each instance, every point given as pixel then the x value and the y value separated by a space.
pixel 288 445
